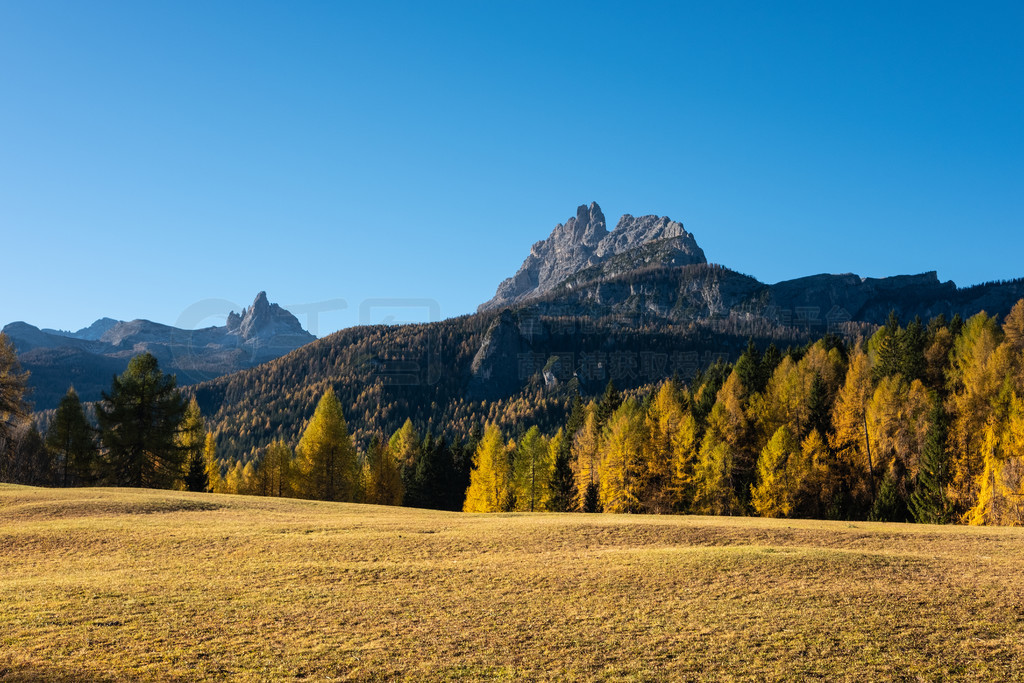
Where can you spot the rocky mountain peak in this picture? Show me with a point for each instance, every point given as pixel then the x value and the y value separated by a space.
pixel 583 241
pixel 263 319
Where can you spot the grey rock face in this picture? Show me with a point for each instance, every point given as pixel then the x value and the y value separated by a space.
pixel 583 242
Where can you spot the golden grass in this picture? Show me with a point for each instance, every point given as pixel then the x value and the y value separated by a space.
pixel 114 584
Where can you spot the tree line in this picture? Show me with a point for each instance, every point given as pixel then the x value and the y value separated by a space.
pixel 914 423
pixel 918 423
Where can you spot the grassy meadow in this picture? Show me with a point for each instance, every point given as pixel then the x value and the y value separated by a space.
pixel 118 584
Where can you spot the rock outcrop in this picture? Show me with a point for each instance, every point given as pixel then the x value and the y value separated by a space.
pixel 584 242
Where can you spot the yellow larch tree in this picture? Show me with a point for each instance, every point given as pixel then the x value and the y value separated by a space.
pixel 586 458
pixel 326 455
pixel 780 472
pixel 621 458
pixel 381 474
pixel 490 478
pixel 850 439
pixel 978 371
pixel 532 470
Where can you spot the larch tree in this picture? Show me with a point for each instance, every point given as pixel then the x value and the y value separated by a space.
pixel 13 408
pixel 383 476
pixel 326 455
pixel 851 439
pixel 278 466
pixel 979 368
pixel 586 456
pixel 621 459
pixel 192 440
pixel 70 439
pixel 780 472
pixel 532 470
pixel 140 420
pixel 490 478
pixel 685 453
pixel 214 477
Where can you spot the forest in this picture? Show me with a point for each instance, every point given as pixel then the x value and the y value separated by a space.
pixel 917 422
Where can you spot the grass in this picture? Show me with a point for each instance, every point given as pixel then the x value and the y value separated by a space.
pixel 115 584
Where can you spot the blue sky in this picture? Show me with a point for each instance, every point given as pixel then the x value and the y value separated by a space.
pixel 167 160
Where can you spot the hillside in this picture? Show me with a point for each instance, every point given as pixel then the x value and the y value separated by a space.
pixel 114 584
pixel 510 367
pixel 636 305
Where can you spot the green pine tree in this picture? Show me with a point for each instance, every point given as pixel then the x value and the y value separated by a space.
pixel 928 502
pixel 70 439
pixel 140 419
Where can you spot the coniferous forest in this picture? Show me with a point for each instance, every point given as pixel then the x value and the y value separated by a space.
pixel 918 421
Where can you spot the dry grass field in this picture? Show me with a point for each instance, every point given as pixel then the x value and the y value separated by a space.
pixel 114 584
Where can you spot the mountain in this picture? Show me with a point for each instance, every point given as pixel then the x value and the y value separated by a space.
pixel 650 268
pixel 636 305
pixel 89 357
pixel 583 242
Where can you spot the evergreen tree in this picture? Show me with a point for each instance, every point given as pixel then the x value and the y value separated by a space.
pixel 327 457
pixel 888 505
pixel 819 406
pixel 31 459
pixel 928 502
pixel 563 480
pixel 609 403
pixel 140 419
pixel 70 439
pixel 196 478
pixel 750 369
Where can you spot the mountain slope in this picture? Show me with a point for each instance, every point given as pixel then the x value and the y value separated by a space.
pixel 90 357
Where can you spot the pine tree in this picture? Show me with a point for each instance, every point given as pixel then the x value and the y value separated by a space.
pixel 140 419
pixel 196 478
pixel 610 402
pixel 563 480
pixel 929 503
pixel 70 439
pixel 327 458
pixel 490 477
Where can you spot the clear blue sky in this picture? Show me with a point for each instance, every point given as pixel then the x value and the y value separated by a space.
pixel 156 155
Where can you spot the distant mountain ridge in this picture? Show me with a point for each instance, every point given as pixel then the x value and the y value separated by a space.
pixel 89 357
